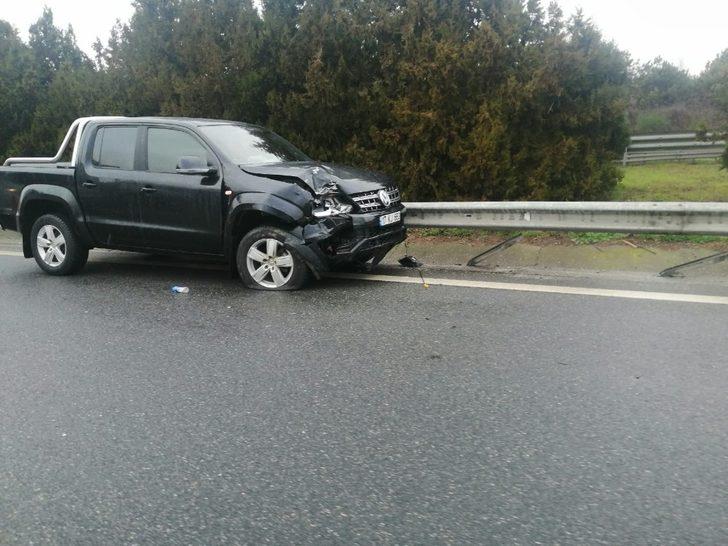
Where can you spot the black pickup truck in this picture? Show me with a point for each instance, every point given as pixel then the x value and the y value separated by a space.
pixel 198 186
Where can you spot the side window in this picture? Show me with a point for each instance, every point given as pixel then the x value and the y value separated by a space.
pixel 114 148
pixel 165 147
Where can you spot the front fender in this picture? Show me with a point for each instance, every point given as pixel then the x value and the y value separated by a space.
pixel 266 204
pixel 57 195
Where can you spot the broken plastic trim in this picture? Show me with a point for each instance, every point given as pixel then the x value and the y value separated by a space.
pixel 410 262
pixel 312 258
pixel 327 191
pixel 331 206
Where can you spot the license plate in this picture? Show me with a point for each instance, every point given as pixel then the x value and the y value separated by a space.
pixel 390 218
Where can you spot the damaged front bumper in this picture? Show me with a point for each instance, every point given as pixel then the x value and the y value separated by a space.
pixel 349 238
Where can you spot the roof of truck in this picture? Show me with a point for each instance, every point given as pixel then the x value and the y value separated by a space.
pixel 78 126
pixel 193 122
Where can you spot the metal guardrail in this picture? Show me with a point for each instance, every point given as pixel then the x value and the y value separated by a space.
pixel 617 217
pixel 671 136
pixel 674 147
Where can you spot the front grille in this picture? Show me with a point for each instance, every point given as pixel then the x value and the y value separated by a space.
pixel 370 202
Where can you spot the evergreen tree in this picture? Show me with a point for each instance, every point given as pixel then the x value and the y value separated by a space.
pixel 466 99
pixel 53 48
pixel 218 51
pixel 47 105
pixel 660 83
pixel 17 86
pixel 715 82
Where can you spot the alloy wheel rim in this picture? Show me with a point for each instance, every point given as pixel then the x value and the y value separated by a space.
pixel 51 246
pixel 270 263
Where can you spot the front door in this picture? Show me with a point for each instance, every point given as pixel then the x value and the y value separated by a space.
pixel 179 211
pixel 108 187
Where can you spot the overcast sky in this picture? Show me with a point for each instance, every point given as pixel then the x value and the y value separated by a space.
pixel 686 33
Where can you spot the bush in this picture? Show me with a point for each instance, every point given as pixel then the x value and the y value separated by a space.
pixel 456 100
pixel 652 123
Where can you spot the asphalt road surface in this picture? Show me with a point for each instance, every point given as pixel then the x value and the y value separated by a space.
pixel 355 412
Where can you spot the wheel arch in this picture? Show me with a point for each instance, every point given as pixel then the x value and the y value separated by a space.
pixel 252 210
pixel 39 199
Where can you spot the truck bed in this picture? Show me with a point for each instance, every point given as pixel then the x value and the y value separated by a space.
pixel 14 178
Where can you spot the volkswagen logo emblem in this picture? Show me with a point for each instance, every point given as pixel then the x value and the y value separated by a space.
pixel 384 198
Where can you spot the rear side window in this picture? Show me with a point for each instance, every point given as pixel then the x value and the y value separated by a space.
pixel 114 148
pixel 165 147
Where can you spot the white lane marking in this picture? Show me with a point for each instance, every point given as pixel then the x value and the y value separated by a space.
pixel 543 288
pixel 517 287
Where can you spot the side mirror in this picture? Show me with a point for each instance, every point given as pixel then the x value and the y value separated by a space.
pixel 191 164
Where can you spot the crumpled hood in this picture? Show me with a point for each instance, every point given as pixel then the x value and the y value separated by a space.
pixel 320 176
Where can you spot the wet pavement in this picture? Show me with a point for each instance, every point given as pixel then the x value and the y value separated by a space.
pixel 356 412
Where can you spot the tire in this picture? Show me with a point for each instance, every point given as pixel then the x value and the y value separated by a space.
pixel 265 262
pixel 56 248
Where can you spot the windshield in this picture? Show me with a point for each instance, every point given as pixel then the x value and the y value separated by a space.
pixel 252 145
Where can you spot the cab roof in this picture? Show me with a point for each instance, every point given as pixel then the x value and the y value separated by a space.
pixel 188 122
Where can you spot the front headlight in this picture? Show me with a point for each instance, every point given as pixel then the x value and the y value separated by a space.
pixel 331 206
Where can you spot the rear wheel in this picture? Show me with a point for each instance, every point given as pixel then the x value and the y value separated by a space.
pixel 266 262
pixel 56 248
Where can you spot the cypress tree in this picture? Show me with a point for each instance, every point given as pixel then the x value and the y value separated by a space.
pixel 466 99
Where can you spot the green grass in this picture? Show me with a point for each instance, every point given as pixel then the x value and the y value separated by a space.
pixel 696 239
pixel 589 238
pixel 701 181
pixel 596 238
pixel 449 232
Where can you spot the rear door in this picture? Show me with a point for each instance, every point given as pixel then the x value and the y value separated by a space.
pixel 108 186
pixel 179 211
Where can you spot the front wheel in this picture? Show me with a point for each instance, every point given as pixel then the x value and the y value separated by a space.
pixel 56 248
pixel 265 262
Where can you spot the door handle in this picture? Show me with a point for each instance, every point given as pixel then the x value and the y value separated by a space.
pixel 148 189
pixel 89 184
